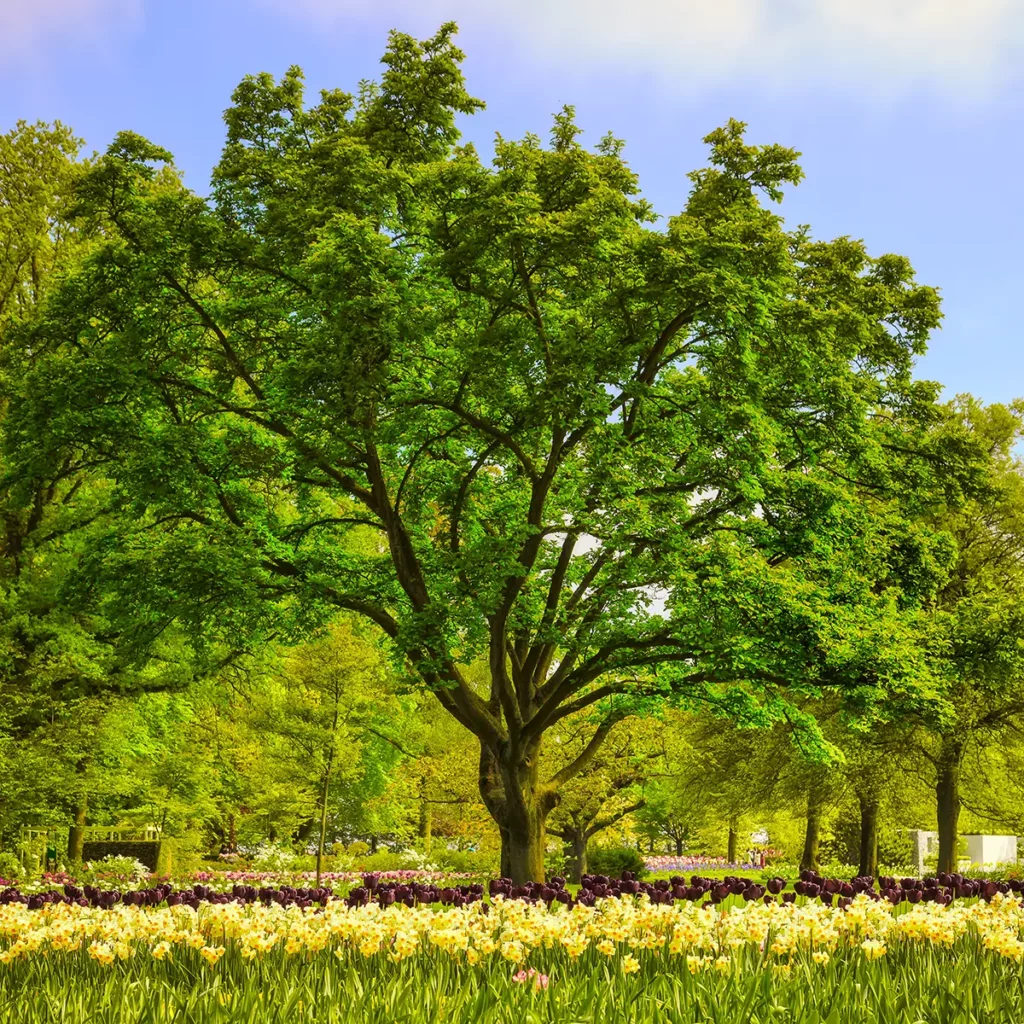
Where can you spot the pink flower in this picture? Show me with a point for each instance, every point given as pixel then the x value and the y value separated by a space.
pixel 539 980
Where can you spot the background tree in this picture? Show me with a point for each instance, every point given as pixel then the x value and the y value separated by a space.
pixel 325 704
pixel 613 787
pixel 978 628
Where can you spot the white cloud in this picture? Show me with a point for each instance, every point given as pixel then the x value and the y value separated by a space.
pixel 962 46
pixel 27 27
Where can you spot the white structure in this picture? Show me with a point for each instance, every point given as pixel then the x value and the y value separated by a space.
pixel 991 849
pixel 923 844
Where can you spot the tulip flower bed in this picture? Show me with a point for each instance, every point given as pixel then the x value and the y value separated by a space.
pixel 221 879
pixel 385 891
pixel 525 954
pixel 690 864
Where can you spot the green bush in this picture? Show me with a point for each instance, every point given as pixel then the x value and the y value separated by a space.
pixel 10 867
pixel 613 860
pixel 782 869
pixel 188 853
pixel 115 866
pixel 468 862
pixel 123 852
pixel 1004 872
pixel 390 860
pixel 556 862
pixel 274 858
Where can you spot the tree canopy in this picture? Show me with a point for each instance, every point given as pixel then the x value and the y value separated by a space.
pixel 501 410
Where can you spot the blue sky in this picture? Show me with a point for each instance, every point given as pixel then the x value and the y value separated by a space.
pixel 909 113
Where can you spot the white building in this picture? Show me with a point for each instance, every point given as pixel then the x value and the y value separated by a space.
pixel 991 849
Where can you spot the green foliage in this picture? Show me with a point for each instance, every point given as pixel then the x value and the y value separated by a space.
pixel 114 866
pixel 558 863
pixel 613 860
pixel 841 843
pixel 393 860
pixel 274 858
pixel 471 862
pixel 497 412
pixel 388 488
pixel 11 867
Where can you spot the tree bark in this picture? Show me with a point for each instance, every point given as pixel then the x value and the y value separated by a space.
pixel 679 845
pixel 426 825
pixel 324 793
pixel 520 805
pixel 730 853
pixel 809 859
pixel 505 866
pixel 76 834
pixel 527 836
pixel 947 803
pixel 576 838
pixel 868 834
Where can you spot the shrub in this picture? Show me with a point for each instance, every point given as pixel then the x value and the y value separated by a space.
pixel 556 862
pixel 417 860
pixel 613 860
pixel 273 858
pixel 395 860
pixel 469 862
pixel 96 851
pixel 118 866
pixel 1003 872
pixel 10 867
pixel 188 852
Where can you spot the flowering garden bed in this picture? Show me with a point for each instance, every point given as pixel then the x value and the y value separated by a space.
pixel 947 954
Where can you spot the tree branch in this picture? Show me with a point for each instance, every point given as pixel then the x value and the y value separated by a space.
pixel 574 767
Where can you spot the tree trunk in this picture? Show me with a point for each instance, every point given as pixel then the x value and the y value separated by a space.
pixel 526 842
pixel 812 840
pixel 327 783
pixel 679 846
pixel 426 827
pixel 512 793
pixel 578 852
pixel 947 803
pixel 868 834
pixel 76 834
pixel 505 867
pixel 730 853
pixel 324 793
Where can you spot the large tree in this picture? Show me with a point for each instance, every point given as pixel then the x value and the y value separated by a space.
pixel 498 409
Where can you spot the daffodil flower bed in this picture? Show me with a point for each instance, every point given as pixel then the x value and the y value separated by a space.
pixel 620 960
